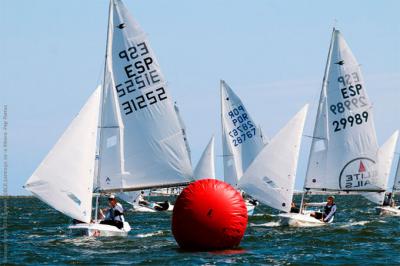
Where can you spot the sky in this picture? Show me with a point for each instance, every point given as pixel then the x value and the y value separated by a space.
pixel 271 52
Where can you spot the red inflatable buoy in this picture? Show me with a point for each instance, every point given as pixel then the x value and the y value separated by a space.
pixel 209 214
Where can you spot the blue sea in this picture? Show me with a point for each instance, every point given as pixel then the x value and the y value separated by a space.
pixel 37 234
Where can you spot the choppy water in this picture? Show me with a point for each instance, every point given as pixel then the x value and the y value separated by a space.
pixel 37 235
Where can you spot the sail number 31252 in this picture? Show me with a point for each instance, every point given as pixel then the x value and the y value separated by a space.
pixel 350 121
pixel 144 100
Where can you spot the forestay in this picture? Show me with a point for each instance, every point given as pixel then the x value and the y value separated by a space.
pixel 64 179
pixel 153 149
pixel 241 138
pixel 343 153
pixel 270 177
pixel 205 168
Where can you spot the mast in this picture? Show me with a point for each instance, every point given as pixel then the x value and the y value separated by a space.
pixel 222 125
pixel 226 147
pixel 103 91
pixel 102 108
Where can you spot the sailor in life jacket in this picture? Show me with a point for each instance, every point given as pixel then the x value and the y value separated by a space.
pixel 329 211
pixel 140 200
pixel 115 214
pixel 388 201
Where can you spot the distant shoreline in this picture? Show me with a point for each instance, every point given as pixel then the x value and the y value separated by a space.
pixel 16 196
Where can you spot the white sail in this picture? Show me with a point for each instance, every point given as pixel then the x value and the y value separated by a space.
pixel 241 138
pixel 385 160
pixel 110 163
pixel 205 168
pixel 153 146
pixel 130 197
pixel 396 184
pixel 343 153
pixel 64 179
pixel 270 177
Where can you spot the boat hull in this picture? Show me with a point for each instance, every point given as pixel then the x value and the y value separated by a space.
pixel 139 208
pixel 97 229
pixel 387 210
pixel 300 220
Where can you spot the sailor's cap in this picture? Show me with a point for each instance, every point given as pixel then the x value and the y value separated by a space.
pixel 112 196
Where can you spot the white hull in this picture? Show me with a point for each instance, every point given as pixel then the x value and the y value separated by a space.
pixel 97 229
pixel 300 220
pixel 250 209
pixel 139 208
pixel 387 210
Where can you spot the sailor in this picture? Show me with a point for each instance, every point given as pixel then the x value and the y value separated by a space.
pixel 249 200
pixel 388 199
pixel 293 208
pixel 115 214
pixel 140 199
pixel 329 211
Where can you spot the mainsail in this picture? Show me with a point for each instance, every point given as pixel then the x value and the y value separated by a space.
pixel 64 179
pixel 148 141
pixel 205 168
pixel 241 137
pixel 270 177
pixel 344 149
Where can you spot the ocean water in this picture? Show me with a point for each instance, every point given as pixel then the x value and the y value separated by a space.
pixel 36 234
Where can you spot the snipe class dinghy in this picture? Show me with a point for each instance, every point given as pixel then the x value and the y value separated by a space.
pixel 392 209
pixel 344 156
pixel 271 175
pixel 134 199
pixel 242 140
pixel 132 124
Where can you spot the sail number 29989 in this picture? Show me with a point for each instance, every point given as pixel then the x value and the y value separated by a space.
pixel 350 121
pixel 144 100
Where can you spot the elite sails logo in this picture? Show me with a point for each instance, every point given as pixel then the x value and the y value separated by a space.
pixel 358 174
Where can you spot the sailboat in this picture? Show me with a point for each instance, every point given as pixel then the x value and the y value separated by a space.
pixel 242 140
pixel 130 125
pixel 344 155
pixel 271 175
pixel 392 209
